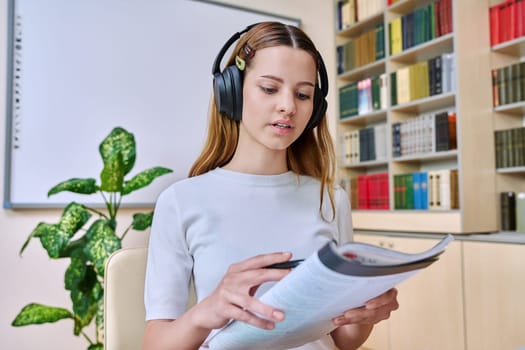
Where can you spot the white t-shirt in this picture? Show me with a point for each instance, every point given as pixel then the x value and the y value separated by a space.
pixel 205 223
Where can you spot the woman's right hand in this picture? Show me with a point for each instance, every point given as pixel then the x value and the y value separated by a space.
pixel 233 297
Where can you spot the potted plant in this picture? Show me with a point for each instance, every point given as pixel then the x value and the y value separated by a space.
pixel 88 236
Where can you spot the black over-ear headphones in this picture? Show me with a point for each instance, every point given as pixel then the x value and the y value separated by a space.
pixel 227 87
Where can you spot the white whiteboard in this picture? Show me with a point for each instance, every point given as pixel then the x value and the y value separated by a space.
pixel 78 68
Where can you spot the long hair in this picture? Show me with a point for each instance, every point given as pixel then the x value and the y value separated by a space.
pixel 311 154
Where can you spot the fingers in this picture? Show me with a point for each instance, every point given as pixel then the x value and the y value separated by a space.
pixel 233 297
pixel 375 310
pixel 260 261
pixel 383 299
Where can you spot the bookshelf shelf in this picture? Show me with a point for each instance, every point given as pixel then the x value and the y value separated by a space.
pixel 427 157
pixel 517 108
pixel 374 68
pixel 514 47
pixel 361 120
pixel 513 170
pixel 426 50
pixel 426 104
pixel 468 96
pixel 406 6
pixel 361 26
pixel 419 220
pixel 368 164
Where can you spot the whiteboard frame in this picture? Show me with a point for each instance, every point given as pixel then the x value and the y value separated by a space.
pixel 8 202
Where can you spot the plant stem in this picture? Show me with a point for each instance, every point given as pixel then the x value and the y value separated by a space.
pixel 87 338
pixel 97 212
pixel 125 232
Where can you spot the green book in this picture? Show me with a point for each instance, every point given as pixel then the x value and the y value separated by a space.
pixel 376 93
pixel 348 103
pixel 409 188
pixel 393 88
pixel 380 41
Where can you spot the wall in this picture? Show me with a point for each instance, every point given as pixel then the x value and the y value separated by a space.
pixel 34 277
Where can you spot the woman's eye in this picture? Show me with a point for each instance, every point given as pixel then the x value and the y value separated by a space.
pixel 268 90
pixel 302 96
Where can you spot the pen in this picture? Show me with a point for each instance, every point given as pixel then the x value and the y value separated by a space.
pixel 285 265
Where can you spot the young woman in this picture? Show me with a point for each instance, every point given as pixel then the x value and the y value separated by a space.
pixel 261 191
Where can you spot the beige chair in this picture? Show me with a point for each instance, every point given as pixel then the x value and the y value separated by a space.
pixel 124 313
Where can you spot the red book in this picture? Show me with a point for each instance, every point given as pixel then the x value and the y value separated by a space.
pixel 520 18
pixel 494 24
pixel 504 21
pixel 512 19
pixel 449 16
pixel 385 202
pixel 452 138
pixel 362 192
pixel 437 17
pixel 373 191
pixel 442 19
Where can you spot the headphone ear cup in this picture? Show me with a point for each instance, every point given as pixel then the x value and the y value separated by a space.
pixel 320 106
pixel 227 89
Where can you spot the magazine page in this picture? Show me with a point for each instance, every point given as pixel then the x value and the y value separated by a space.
pixel 311 295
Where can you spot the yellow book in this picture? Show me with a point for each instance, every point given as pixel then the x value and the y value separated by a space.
pixel 396 36
pixel 413 85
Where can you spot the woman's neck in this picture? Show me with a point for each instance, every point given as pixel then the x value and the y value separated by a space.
pixel 271 163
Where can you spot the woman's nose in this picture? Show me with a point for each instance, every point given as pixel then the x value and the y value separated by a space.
pixel 287 103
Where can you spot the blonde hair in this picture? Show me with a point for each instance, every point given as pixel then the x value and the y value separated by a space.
pixel 311 154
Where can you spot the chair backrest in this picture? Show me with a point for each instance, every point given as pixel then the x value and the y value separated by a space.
pixel 124 313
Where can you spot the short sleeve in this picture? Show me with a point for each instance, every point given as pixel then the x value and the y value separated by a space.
pixel 343 215
pixel 169 263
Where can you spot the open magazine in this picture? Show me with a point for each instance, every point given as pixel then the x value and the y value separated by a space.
pixel 329 282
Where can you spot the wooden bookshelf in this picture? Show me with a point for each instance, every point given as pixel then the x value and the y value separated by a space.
pixel 510 115
pixel 471 100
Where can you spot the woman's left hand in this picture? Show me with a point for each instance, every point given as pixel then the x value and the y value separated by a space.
pixel 372 312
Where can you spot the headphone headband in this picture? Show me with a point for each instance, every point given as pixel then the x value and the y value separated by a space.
pixel 220 55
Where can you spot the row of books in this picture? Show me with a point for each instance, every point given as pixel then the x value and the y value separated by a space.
pixel 430 190
pixel 424 24
pixel 423 79
pixel 510 147
pixel 352 11
pixel 508 84
pixel 364 145
pixel 507 21
pixel 363 96
pixel 426 133
pixel 366 48
pixel 369 192
pixel 512 211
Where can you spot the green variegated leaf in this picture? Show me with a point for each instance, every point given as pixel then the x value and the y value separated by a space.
pixel 119 141
pixel 97 346
pixel 31 235
pixel 85 297
pixel 76 270
pixel 52 239
pixel 102 242
pixel 82 186
pixel 37 314
pixel 143 179
pixel 142 221
pixel 55 237
pixel 112 176
pixel 73 218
